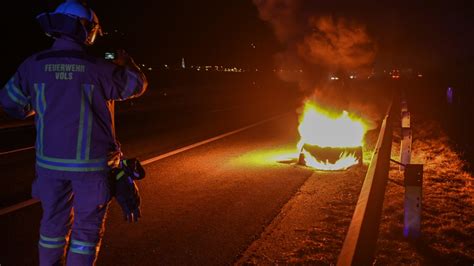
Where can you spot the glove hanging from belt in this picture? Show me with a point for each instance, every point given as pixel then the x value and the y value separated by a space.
pixel 124 188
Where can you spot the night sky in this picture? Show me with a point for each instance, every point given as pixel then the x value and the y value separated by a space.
pixel 421 34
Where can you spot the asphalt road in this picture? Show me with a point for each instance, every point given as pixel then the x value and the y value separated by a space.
pixel 142 133
pixel 204 206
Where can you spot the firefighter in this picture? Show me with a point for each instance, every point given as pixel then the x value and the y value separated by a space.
pixel 72 95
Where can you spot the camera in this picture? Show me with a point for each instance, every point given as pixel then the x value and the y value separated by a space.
pixel 109 55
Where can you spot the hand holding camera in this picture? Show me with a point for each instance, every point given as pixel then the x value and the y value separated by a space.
pixel 122 58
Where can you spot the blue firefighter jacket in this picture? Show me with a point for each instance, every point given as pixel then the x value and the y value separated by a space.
pixel 73 97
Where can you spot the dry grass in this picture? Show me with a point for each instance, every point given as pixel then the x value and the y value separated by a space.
pixel 447 206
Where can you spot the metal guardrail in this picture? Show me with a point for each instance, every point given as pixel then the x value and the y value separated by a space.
pixel 361 239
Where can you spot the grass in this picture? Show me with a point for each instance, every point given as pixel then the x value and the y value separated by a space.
pixel 447 206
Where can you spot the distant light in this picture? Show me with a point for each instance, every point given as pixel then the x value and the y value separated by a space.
pixel 150 69
pixel 420 75
pixel 352 76
pixel 334 78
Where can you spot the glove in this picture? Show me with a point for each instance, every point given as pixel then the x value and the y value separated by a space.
pixel 128 197
pixel 125 190
pixel 133 168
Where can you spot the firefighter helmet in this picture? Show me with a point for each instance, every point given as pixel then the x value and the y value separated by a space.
pixel 73 19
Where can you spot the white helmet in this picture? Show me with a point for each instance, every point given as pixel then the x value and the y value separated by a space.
pixel 72 19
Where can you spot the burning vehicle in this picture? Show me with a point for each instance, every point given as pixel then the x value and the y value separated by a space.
pixel 330 142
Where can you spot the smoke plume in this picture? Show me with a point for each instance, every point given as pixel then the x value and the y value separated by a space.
pixel 321 43
pixel 337 44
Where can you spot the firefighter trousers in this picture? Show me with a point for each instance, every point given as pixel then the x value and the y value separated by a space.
pixel 74 210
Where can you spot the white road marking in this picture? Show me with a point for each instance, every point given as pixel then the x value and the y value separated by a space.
pixel 18 206
pixel 171 153
pixel 30 202
pixel 32 147
pixel 17 150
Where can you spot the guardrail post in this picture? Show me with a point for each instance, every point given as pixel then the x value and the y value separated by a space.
pixel 413 196
pixel 404 106
pixel 405 147
pixel 405 119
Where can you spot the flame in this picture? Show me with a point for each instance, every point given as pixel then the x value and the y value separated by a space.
pixel 321 128
pixel 345 161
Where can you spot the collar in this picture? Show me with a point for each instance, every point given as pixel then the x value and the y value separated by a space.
pixel 67 44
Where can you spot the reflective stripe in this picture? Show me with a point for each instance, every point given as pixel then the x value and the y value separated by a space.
pixel 81 126
pixel 48 242
pixel 53 243
pixel 119 175
pixel 132 84
pixel 40 108
pixel 89 89
pixel 81 247
pixel 85 123
pixel 82 250
pixel 43 98
pixel 14 98
pixel 16 94
pixel 42 237
pixel 78 163
pixel 70 168
pixel 83 243
pixel 60 160
pixel 45 245
pixel 71 164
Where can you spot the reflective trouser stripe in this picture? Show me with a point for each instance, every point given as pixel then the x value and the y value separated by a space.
pixel 81 247
pixel 40 109
pixel 85 123
pixel 48 242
